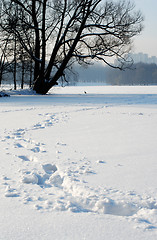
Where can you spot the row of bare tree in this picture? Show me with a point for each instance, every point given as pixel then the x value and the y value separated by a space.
pixel 15 62
pixel 48 36
pixel 139 74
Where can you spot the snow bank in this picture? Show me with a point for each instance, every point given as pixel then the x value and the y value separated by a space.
pixel 3 94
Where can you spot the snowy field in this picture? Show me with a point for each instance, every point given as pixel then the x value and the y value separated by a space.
pixel 79 163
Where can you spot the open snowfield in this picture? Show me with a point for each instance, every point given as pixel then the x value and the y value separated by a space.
pixel 76 165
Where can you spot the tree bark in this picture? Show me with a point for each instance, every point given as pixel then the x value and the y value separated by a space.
pixel 15 62
pixel 37 40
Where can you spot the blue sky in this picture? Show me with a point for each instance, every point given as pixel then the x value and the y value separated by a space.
pixel 147 41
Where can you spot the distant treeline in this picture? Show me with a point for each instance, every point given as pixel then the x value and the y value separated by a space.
pixel 138 74
pixel 92 73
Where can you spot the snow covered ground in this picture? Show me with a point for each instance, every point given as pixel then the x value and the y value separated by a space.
pixel 79 163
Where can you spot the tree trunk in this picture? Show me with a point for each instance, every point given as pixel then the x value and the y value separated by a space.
pixel 43 39
pixel 30 72
pixel 15 63
pixel 0 77
pixel 1 72
pixel 37 41
pixel 41 87
pixel 23 73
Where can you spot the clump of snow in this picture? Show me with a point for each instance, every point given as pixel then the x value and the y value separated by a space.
pixel 11 192
pixel 108 206
pixel 56 180
pixel 30 178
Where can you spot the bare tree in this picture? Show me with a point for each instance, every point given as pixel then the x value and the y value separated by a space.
pixel 4 53
pixel 89 30
pixel 3 57
pixel 77 30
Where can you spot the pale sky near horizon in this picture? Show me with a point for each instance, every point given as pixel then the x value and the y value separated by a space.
pixel 146 42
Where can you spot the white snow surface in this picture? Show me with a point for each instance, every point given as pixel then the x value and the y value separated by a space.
pixel 79 163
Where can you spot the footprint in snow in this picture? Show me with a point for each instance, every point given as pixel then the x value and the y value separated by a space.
pixel 28 158
pixel 61 144
pixel 38 126
pixel 51 177
pixel 19 132
pixel 24 158
pixel 35 149
pixel 49 168
pixel 101 161
pixel 18 145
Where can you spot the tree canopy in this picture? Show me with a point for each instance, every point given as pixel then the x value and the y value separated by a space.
pixel 57 33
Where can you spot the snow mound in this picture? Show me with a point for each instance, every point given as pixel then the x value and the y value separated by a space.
pixel 30 178
pixel 28 91
pixel 3 94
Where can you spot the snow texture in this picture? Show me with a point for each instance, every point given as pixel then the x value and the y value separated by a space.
pixel 79 166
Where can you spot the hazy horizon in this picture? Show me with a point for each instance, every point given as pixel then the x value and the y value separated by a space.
pixel 146 41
